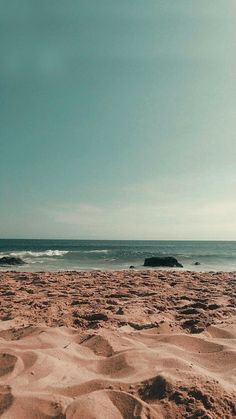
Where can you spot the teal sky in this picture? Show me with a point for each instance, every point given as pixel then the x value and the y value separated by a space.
pixel 118 119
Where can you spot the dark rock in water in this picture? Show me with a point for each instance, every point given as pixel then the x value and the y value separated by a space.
pixel 131 267
pixel 162 261
pixel 8 260
pixel 197 263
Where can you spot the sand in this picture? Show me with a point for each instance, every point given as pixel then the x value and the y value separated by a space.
pixel 130 344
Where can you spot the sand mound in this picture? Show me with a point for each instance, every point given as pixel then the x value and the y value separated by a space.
pixel 60 373
pixel 108 404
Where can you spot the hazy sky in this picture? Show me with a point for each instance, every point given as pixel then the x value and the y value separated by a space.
pixel 118 119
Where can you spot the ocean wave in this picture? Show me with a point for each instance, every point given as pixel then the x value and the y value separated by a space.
pixel 32 254
pixel 98 251
pixel 207 256
pixel 92 251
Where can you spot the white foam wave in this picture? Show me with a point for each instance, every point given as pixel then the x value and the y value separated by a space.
pixel 47 253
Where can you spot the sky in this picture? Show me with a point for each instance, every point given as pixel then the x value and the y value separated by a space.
pixel 118 119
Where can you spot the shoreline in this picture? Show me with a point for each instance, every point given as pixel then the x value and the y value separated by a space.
pixel 160 343
pixel 198 270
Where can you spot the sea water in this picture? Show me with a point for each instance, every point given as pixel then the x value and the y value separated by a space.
pixel 55 255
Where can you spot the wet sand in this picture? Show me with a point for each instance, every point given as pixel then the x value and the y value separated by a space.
pixel 128 344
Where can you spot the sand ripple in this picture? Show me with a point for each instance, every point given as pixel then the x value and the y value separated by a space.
pixel 107 345
pixel 62 373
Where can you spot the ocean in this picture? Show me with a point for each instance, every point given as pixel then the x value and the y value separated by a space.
pixel 56 255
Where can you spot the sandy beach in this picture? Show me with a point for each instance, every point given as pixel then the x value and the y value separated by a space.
pixel 117 209
pixel 127 344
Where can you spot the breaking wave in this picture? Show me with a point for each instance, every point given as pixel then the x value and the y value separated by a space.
pixel 46 253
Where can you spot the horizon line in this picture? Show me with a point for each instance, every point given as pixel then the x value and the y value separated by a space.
pixel 70 239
